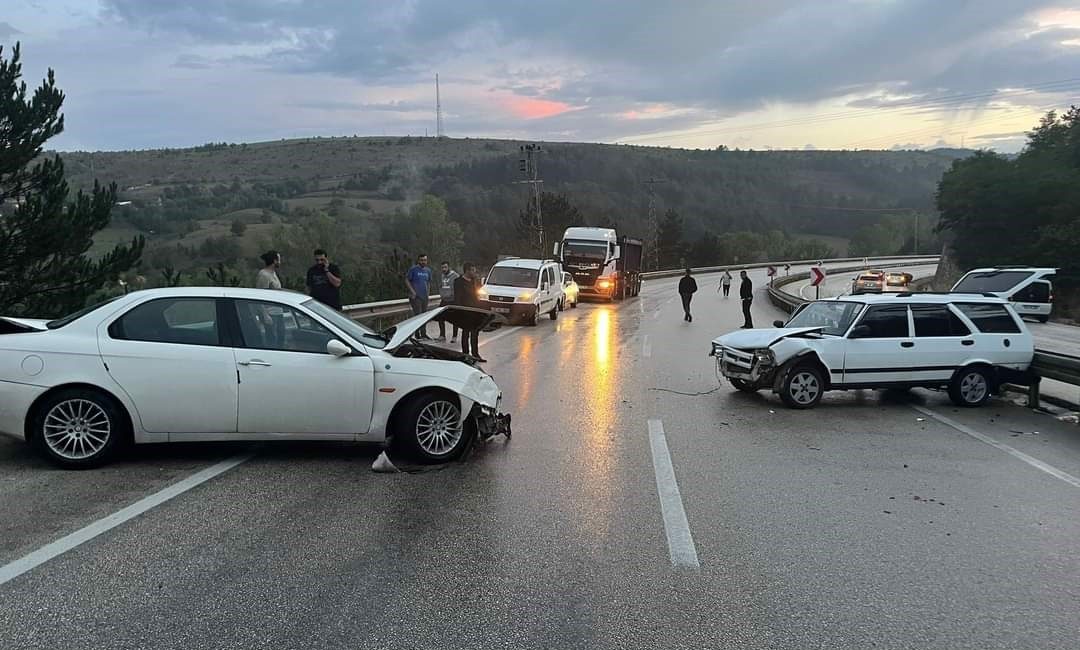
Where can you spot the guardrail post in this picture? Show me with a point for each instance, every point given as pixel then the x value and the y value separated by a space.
pixel 1033 393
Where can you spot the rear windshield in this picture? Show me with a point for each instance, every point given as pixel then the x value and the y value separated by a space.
pixel 870 278
pixel 512 276
pixel 990 318
pixel 991 281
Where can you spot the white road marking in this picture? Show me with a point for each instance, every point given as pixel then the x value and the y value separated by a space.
pixel 488 339
pixel 641 303
pixel 680 541
pixel 64 544
pixel 1015 453
pixel 646 347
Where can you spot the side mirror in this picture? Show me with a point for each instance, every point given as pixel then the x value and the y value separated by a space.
pixel 555 249
pixel 337 348
pixel 860 332
pixel 778 323
pixel 618 252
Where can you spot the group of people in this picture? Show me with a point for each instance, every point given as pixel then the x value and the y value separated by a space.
pixel 688 287
pixel 323 278
pixel 454 289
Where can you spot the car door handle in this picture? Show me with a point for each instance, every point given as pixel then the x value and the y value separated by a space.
pixel 967 342
pixel 907 344
pixel 255 362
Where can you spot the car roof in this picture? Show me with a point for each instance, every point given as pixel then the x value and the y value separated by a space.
pixel 286 296
pixel 1032 269
pixel 904 297
pixel 523 263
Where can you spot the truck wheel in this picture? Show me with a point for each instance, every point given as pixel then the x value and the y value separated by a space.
pixel 802 387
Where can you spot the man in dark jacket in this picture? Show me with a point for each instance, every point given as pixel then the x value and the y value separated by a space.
pixel 746 292
pixel 687 287
pixel 465 287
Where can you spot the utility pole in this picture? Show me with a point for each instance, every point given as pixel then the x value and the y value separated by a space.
pixel 529 166
pixel 916 251
pixel 654 222
pixel 438 110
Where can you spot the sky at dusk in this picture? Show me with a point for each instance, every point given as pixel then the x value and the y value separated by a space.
pixel 825 74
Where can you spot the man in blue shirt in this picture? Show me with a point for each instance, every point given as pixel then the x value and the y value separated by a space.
pixel 418 281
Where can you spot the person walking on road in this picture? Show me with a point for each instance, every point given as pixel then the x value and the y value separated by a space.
pixel 267 277
pixel 746 292
pixel 324 281
pixel 725 283
pixel 418 281
pixel 446 294
pixel 465 287
pixel 687 287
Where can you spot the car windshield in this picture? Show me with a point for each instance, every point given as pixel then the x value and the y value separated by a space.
pixel 513 276
pixel 834 316
pixel 349 326
pixel 991 281
pixel 585 250
pixel 70 318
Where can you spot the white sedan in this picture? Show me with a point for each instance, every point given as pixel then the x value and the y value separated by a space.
pixel 206 364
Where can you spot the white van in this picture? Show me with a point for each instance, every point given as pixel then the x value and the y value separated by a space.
pixel 1029 289
pixel 523 289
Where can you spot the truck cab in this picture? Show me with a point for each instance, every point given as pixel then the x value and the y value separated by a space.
pixel 603 265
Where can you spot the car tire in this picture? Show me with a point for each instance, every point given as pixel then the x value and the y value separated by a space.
pixel 533 317
pixel 429 427
pixel 1042 319
pixel 78 428
pixel 802 387
pixel 573 305
pixel 971 387
pixel 554 313
pixel 744 386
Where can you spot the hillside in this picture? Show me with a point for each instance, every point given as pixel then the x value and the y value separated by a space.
pixel 355 193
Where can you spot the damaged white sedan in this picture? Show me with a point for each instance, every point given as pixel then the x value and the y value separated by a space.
pixel 222 364
pixel 968 344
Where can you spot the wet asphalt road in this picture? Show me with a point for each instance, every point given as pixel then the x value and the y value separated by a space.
pixel 863 523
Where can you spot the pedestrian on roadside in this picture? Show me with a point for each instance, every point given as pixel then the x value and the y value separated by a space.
pixel 446 295
pixel 687 287
pixel 725 283
pixel 418 281
pixel 324 281
pixel 267 278
pixel 746 292
pixel 465 288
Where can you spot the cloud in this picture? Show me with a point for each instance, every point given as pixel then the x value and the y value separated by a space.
pixel 7 30
pixel 531 108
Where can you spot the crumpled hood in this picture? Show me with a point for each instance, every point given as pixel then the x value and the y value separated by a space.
pixel 756 339
pixel 464 317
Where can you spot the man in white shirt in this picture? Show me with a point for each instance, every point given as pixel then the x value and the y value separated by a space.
pixel 267 277
pixel 725 283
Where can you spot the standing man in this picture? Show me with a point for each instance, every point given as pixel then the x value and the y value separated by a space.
pixel 746 292
pixel 446 293
pixel 725 283
pixel 267 277
pixel 687 287
pixel 324 281
pixel 465 287
pixel 418 281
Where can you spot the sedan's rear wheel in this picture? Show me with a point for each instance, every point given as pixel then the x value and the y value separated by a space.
pixel 431 427
pixel 78 429
pixel 802 387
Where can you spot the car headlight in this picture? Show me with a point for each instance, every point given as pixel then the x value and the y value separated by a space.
pixel 482 294
pixel 764 357
pixel 526 296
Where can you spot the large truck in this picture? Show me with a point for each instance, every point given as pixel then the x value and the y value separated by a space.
pixel 604 265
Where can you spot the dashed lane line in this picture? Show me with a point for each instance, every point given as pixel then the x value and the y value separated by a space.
pixel 680 541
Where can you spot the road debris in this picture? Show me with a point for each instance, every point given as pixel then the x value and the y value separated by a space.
pixel 382 464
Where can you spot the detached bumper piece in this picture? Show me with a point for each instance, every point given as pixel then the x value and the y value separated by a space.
pixel 491 423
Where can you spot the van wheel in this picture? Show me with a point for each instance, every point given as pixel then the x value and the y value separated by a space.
pixel 562 305
pixel 554 314
pixel 78 429
pixel 531 319
pixel 970 387
pixel 573 305
pixel 802 387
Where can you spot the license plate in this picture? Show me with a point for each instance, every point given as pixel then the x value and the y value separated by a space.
pixel 501 310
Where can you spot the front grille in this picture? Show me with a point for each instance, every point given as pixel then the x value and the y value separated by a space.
pixel 737 360
pixel 501 298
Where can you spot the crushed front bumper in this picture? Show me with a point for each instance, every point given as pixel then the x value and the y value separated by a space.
pixel 741 364
pixel 490 422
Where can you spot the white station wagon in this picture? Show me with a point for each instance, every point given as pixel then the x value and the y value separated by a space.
pixel 968 344
pixel 202 364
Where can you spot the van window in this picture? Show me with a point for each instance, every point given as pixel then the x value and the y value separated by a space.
pixel 991 281
pixel 990 318
pixel 513 276
pixel 937 320
pixel 1038 292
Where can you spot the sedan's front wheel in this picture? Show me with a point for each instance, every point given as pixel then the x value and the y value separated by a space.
pixel 431 427
pixel 77 429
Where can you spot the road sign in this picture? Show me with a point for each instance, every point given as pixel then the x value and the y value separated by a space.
pixel 817 276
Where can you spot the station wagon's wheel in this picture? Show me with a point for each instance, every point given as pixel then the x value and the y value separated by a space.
pixel 970 387
pixel 430 427
pixel 745 386
pixel 78 429
pixel 802 387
